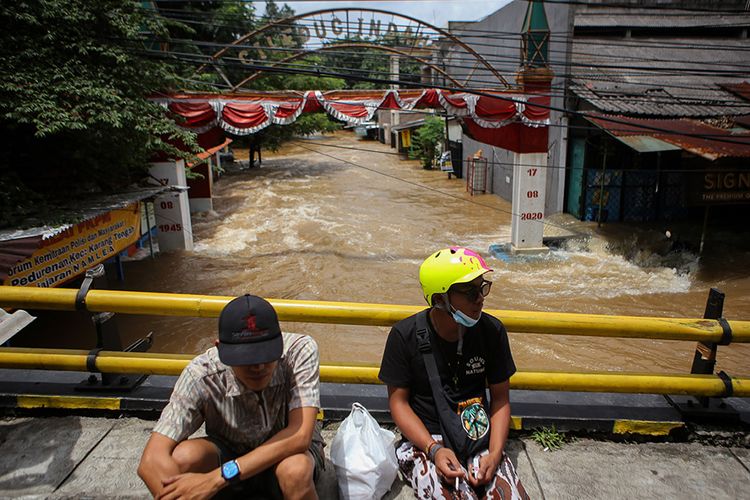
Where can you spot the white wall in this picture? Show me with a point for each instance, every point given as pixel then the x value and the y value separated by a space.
pixel 497 38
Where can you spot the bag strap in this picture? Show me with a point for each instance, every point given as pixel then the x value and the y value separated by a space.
pixel 425 347
pixel 436 384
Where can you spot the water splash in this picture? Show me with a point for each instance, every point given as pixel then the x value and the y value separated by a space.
pixel 588 266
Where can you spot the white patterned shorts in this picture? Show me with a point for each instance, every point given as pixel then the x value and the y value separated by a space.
pixel 423 476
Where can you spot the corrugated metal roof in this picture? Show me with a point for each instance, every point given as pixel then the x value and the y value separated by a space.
pixel 660 76
pixel 691 135
pixel 411 124
pixel 741 89
pixel 646 144
pixel 743 121
pixel 632 17
pixel 81 210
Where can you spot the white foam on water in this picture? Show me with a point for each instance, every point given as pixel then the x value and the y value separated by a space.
pixel 226 240
pixel 234 235
pixel 597 272
pixel 481 242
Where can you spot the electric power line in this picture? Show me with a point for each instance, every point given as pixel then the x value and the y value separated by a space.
pixel 471 91
pixel 610 92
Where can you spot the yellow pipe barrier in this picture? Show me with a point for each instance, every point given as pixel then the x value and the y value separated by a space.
pixel 172 364
pixel 106 361
pixel 352 313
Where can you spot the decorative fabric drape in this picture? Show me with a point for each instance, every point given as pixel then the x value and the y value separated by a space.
pixel 248 116
pixel 243 115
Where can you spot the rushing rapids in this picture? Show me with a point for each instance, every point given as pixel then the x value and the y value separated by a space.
pixel 324 223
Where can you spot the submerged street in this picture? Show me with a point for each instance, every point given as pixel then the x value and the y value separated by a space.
pixel 130 199
pixel 319 221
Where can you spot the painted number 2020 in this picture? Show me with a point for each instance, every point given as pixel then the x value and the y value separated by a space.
pixel 532 215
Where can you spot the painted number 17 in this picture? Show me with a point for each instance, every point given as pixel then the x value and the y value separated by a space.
pixel 531 172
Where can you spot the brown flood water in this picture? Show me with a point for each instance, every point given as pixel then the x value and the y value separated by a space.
pixel 324 223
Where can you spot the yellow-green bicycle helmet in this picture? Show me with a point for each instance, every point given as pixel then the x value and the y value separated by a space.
pixel 447 267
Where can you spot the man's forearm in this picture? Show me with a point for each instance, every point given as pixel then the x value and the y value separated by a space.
pixel 499 428
pixel 410 425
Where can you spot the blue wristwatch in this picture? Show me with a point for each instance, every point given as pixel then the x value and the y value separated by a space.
pixel 230 471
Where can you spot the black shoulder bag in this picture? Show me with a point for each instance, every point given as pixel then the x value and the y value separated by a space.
pixel 468 432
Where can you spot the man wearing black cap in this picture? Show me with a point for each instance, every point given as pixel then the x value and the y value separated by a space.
pixel 258 393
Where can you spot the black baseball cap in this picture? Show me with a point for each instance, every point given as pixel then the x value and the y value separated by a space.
pixel 249 332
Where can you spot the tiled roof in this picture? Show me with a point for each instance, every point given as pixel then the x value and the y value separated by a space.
pixel 593 16
pixel 661 76
pixel 741 89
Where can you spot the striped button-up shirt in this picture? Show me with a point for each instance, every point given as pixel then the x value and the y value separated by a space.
pixel 207 391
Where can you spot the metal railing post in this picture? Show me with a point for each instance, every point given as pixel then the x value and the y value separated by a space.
pixel 704 363
pixel 107 339
pixel 704 360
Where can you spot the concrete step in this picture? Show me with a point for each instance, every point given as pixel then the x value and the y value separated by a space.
pixel 88 457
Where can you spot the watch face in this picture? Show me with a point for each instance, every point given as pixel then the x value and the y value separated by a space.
pixel 230 470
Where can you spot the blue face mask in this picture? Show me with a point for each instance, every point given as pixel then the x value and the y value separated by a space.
pixel 462 319
pixel 458 316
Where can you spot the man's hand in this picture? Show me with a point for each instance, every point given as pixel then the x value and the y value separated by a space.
pixel 488 464
pixel 448 465
pixel 191 486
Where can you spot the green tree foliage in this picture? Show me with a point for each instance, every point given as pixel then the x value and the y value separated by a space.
pixel 284 37
pixel 199 29
pixel 427 141
pixel 73 109
pixel 364 63
pixel 307 124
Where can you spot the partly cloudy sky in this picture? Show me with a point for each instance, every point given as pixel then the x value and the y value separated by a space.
pixel 436 12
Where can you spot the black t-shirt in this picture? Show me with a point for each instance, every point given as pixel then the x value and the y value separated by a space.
pixel 486 359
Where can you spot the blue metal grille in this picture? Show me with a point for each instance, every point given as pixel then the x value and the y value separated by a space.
pixel 610 195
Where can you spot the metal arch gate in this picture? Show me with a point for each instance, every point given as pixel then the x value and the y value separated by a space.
pixel 347 46
pixel 289 21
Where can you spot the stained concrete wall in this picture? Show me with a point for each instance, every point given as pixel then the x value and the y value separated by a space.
pixel 497 39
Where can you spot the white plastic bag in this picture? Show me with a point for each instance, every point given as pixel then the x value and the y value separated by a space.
pixel 364 456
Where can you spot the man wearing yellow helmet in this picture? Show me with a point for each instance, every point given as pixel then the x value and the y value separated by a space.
pixel 437 365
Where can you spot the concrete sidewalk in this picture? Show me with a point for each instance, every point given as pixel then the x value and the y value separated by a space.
pixel 86 457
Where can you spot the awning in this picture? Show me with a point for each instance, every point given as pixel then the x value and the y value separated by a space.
pixel 244 114
pixel 408 125
pixel 651 135
pixel 210 151
pixel 50 256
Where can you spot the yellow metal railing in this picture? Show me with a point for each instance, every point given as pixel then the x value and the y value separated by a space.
pixel 172 364
pixel 705 330
pixel 353 313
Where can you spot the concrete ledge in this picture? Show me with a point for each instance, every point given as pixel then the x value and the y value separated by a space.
pixel 84 457
pixel 610 413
